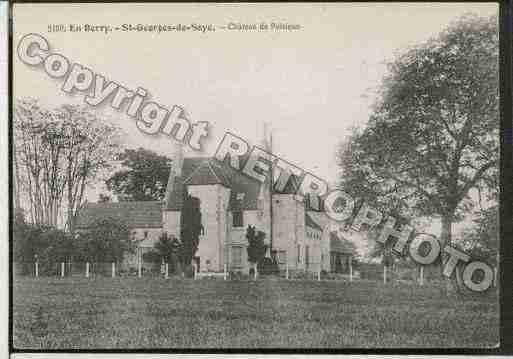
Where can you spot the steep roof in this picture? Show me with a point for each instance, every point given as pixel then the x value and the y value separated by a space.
pixel 135 214
pixel 210 171
pixel 207 171
pixel 292 185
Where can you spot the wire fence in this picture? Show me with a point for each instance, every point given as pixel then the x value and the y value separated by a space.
pixel 363 271
pixel 91 269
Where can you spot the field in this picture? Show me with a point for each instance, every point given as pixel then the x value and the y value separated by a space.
pixel 124 313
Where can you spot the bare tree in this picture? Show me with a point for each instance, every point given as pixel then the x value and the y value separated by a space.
pixel 58 153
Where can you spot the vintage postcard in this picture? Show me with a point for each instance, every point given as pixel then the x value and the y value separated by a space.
pixel 255 176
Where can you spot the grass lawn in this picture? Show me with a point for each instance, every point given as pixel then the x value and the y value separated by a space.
pixel 123 313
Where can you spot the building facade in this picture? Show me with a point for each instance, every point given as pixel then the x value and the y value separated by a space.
pixel 299 238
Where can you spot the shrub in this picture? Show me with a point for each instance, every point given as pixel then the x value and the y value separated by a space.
pixel 269 266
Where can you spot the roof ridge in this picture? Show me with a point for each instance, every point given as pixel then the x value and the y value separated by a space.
pixel 213 171
pixel 195 170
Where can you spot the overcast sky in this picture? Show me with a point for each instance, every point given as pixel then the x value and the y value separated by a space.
pixel 312 85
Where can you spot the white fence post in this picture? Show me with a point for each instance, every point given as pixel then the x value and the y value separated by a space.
pixel 139 262
pixel 193 271
pixel 385 274
pixel 113 269
pixel 287 270
pixel 319 273
pixel 421 275
pixel 87 269
pixel 350 269
pixel 62 269
pixel 256 272
pixel 167 270
pixel 225 270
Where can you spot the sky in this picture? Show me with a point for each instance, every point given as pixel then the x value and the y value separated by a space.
pixel 311 85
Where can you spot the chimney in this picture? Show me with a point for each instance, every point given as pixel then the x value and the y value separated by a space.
pixel 176 171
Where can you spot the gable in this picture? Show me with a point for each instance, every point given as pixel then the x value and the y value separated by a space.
pixel 209 171
pixel 205 171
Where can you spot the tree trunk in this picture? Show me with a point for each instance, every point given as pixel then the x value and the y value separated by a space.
pixel 445 240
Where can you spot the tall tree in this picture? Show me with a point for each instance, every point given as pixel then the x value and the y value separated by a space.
pixel 143 178
pixel 433 134
pixel 256 245
pixel 58 153
pixel 190 228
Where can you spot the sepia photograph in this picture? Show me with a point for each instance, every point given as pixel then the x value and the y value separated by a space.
pixel 247 176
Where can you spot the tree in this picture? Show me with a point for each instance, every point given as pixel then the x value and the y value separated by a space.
pixel 48 245
pixel 105 240
pixel 433 134
pixel 144 178
pixel 168 249
pixel 481 241
pixel 28 241
pixel 190 228
pixel 104 198
pixel 256 245
pixel 58 153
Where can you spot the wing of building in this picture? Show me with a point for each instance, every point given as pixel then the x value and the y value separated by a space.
pixel 300 238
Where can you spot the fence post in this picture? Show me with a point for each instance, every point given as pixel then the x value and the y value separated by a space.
pixel 225 269
pixel 319 273
pixel 256 272
pixel 62 269
pixel 287 270
pixel 139 262
pixel 421 275
pixel 113 269
pixel 350 269
pixel 385 274
pixel 37 269
pixel 193 271
pixel 167 270
pixel 87 269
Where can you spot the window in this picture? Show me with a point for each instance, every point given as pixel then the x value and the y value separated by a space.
pixel 238 219
pixel 237 256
